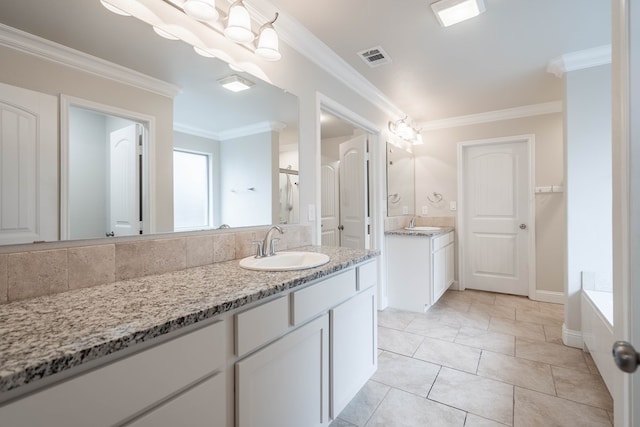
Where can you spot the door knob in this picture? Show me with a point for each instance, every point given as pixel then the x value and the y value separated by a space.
pixel 523 226
pixel 341 227
pixel 625 356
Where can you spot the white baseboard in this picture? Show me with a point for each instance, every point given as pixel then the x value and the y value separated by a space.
pixel 549 296
pixel 572 338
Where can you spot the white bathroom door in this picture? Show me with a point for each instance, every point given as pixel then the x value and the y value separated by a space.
pixel 497 219
pixel 353 193
pixel 29 209
pixel 330 217
pixel 125 182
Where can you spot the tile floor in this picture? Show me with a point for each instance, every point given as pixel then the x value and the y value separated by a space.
pixel 479 359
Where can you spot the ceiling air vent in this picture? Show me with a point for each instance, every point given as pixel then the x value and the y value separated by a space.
pixel 375 56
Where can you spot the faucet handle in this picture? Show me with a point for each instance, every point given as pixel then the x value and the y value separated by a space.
pixel 259 248
pixel 272 248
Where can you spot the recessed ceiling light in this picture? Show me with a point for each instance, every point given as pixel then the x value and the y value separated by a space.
pixel 451 12
pixel 235 83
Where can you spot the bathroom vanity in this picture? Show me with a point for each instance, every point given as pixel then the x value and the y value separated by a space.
pixel 420 266
pixel 209 346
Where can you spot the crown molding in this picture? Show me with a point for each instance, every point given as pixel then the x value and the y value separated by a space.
pixel 579 60
pixel 298 37
pixel 253 129
pixel 28 43
pixel 493 116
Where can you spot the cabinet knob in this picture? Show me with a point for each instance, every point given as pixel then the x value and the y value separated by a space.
pixel 523 226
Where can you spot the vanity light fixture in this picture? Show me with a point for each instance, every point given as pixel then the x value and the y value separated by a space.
pixel 451 12
pixel 235 83
pixel 237 28
pixel 403 130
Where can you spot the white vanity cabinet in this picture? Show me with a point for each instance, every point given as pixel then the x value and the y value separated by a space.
pixel 149 388
pixel 308 375
pixel 420 268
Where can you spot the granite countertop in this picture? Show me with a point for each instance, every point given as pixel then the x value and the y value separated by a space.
pixel 404 232
pixel 43 336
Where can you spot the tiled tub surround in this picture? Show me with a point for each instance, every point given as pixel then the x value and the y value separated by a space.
pixel 28 271
pixel 46 335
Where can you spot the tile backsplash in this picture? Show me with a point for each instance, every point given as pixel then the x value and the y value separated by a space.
pixel 50 268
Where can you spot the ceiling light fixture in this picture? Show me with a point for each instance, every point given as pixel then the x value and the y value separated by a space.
pixel 451 12
pixel 237 28
pixel 235 83
pixel 403 130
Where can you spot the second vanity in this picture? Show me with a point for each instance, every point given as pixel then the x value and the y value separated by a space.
pixel 215 345
pixel 420 266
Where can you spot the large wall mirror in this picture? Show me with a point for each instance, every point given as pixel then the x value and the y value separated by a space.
pixel 231 159
pixel 400 181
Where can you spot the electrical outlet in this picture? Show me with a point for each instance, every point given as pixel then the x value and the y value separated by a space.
pixel 425 210
pixel 405 210
pixel 453 206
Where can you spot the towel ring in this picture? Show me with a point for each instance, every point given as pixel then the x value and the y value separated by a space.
pixel 438 198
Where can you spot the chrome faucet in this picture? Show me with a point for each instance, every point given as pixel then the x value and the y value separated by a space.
pixel 267 247
pixel 412 222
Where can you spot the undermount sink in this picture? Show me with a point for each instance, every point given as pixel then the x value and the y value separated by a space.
pixel 285 261
pixel 423 228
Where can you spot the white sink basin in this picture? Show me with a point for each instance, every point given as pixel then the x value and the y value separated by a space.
pixel 423 228
pixel 284 261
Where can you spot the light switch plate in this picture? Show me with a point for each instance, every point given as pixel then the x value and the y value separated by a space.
pixel 425 210
pixel 405 210
pixel 312 212
pixel 453 206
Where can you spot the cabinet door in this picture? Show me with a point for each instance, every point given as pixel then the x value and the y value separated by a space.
pixel 200 406
pixel 286 383
pixel 439 274
pixel 353 348
pixel 451 269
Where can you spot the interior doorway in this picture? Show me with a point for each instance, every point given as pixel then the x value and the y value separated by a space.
pixel 104 171
pixel 497 226
pixel 345 211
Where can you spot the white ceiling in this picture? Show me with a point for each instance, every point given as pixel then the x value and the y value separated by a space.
pixel 495 61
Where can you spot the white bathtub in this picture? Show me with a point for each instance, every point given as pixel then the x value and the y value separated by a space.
pixel 597 331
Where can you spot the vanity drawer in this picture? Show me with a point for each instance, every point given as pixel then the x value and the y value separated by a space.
pixel 367 275
pixel 114 392
pixel 313 300
pixel 442 241
pixel 262 324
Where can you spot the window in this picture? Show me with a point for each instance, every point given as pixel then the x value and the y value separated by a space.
pixel 191 190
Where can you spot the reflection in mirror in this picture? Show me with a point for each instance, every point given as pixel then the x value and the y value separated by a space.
pixel 248 136
pixel 400 181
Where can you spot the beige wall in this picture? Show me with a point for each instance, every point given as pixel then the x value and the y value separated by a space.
pixel 33 73
pixel 437 171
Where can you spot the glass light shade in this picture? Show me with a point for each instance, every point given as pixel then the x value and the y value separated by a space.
pixel 112 8
pixel 203 52
pixel 419 140
pixel 164 33
pixel 202 10
pixel 268 44
pixel 238 26
pixel 402 129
